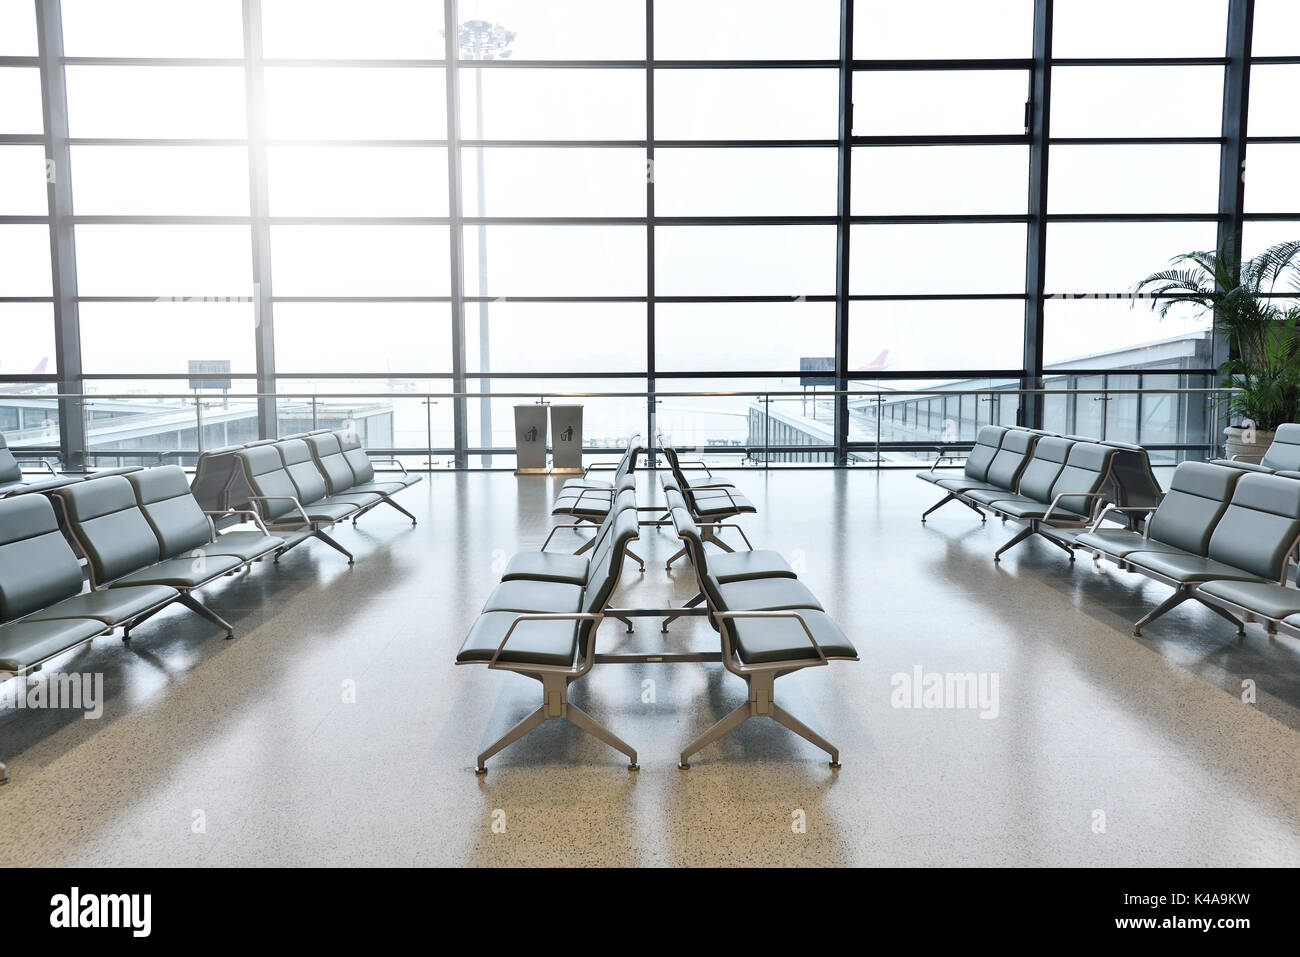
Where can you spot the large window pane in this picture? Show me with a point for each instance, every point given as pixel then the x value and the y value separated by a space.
pixel 160 180
pixel 355 103
pixel 20 100
pixel 545 104
pixel 1272 100
pixel 1134 179
pixel 1137 100
pixel 25 255
pixel 746 104
pixel 943 258
pixel 1121 28
pixel 1256 237
pixel 1272 185
pixel 357 181
pixel 555 260
pixel 156 101
pixel 921 335
pixel 23 181
pixel 557 337
pixel 399 337
pixel 1123 333
pixel 563 29
pixel 942 29
pixel 606 421
pixel 552 181
pixel 376 29
pixel 153 28
pixel 360 260
pixel 745 182
pixel 955 102
pixel 935 411
pixel 187 261
pixel 910 180
pixel 747 30
pixel 791 261
pixel 17 28
pixel 398 419
pixel 717 428
pixel 163 337
pixel 27 331
pixel 1277 28
pixel 1113 257
pixel 733 336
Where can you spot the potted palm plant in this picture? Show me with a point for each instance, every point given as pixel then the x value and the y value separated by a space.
pixel 1261 325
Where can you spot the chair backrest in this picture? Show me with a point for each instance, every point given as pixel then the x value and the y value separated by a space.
pixel 177 520
pixel 215 474
pixel 1044 467
pixel 358 461
pixel 105 519
pixel 1009 462
pixel 1197 498
pixel 689 533
pixel 1260 525
pixel 10 471
pixel 605 567
pixel 987 442
pixel 1284 454
pixel 303 471
pixel 330 460
pixel 265 473
pixel 37 566
pixel 1132 482
pixel 1086 471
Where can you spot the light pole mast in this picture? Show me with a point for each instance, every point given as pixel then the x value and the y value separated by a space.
pixel 480 40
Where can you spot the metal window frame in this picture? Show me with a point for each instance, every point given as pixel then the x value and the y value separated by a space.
pixel 62 220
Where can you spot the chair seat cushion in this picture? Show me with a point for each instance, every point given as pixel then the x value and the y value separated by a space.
pixel 767 594
pixel 1243 466
pixel 963 484
pixel 351 497
pixel 7 487
pixel 576 484
pixel 181 572
pixel 740 566
pixel 24 643
pixel 521 595
pixel 406 481
pixel 532 642
pixel 325 511
pixel 111 606
pixel 1122 541
pixel 985 495
pixel 1185 567
pixel 245 545
pixel 764 640
pixel 722 505
pixel 1263 598
pixel 547 567
pixel 1022 506
pixel 588 507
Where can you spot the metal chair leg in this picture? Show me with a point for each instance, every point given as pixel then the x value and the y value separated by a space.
pixel 675 555
pixel 576 716
pixel 1224 613
pixel 389 501
pixel 733 720
pixel 1170 603
pixel 783 717
pixel 940 504
pixel 635 557
pixel 1019 537
pixel 203 611
pixel 690 604
pixel 510 737
pixel 335 545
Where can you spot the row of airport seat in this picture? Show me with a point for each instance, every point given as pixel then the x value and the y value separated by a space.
pixel 300 486
pixel 1221 535
pixel 147 545
pixel 541 621
pixel 1283 454
pixel 1052 485
pixel 588 499
pixel 769 623
pixel 712 503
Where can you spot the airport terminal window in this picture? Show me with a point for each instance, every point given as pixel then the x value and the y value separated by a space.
pixel 27 330
pixel 657 248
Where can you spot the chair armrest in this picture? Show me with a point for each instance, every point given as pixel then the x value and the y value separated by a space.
pixel 561 616
pixel 257 519
pixel 44 462
pixel 1057 501
pixel 697 464
pixel 392 459
pixel 599 466
pixel 556 528
pixel 1131 509
pixel 594 491
pixel 728 525
pixel 284 498
pixel 728 615
pixel 726 493
pixel 943 458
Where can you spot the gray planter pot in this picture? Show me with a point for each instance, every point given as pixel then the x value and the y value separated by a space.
pixel 1236 447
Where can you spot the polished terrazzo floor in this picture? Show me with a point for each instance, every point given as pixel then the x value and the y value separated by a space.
pixel 335 730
